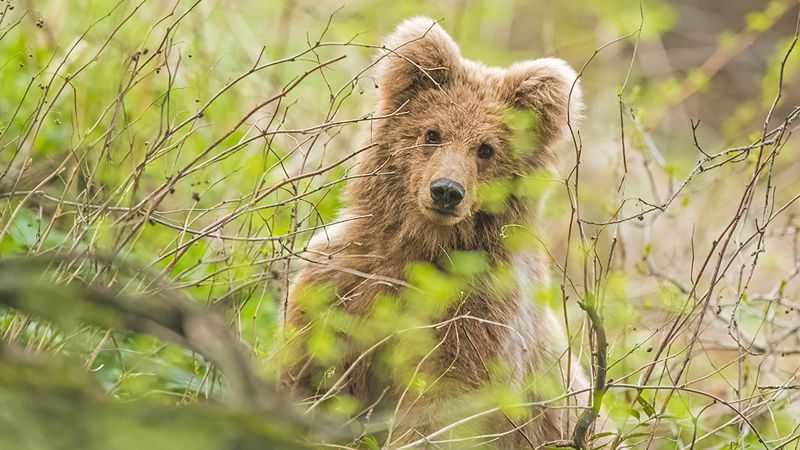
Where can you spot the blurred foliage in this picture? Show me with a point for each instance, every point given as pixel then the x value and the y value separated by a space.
pixel 61 413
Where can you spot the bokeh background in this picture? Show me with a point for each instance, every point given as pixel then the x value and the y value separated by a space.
pixel 190 150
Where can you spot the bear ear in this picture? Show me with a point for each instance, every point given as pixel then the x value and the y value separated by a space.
pixel 418 54
pixel 549 88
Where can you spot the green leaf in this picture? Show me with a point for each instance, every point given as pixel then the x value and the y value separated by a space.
pixel 633 413
pixel 646 406
pixel 370 443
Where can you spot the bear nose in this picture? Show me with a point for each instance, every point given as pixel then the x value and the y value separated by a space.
pixel 446 193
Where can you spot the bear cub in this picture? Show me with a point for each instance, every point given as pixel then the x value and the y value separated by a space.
pixel 384 311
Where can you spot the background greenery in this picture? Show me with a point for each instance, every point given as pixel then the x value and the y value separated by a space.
pixel 190 149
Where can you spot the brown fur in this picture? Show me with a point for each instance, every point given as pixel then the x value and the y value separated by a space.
pixel 425 76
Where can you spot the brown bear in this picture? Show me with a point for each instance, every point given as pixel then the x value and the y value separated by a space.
pixel 459 133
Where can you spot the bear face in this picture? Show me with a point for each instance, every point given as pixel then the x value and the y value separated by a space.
pixel 459 126
pixel 449 149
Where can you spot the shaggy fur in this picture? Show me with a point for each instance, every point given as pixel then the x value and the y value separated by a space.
pixel 425 76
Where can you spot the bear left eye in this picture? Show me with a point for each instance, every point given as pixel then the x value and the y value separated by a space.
pixel 485 151
pixel 433 137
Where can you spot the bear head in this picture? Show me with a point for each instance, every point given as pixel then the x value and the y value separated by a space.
pixel 455 127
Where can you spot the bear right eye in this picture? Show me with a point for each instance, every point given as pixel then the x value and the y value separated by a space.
pixel 433 137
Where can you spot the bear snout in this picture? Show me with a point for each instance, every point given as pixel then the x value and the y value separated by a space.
pixel 446 194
